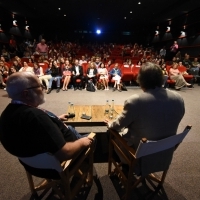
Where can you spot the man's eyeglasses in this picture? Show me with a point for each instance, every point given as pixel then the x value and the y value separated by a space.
pixel 42 86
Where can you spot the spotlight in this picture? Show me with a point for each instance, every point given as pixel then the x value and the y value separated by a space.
pixel 183 34
pixel 168 29
pixel 98 32
pixel 156 33
pixel 14 22
pixel 27 28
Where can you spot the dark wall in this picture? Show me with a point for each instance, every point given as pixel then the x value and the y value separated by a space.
pixel 190 24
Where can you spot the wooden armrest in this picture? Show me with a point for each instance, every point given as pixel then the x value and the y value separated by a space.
pixel 91 135
pixel 122 142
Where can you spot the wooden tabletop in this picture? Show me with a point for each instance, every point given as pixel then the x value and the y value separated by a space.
pixel 97 112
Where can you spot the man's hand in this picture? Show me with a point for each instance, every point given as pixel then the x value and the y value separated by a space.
pixel 107 122
pixel 63 117
pixel 86 141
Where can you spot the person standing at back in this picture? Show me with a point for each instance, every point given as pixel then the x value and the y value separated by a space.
pixel 154 114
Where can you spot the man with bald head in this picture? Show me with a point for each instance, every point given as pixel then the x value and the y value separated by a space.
pixel 26 130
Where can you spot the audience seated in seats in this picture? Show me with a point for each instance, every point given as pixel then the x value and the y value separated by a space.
pixel 38 71
pixel 194 70
pixel 108 64
pixel 176 75
pixel 77 72
pixel 42 59
pixel 5 54
pixel 47 76
pixel 26 68
pixel 66 75
pixel 18 59
pixel 178 56
pixel 12 70
pixel 103 75
pixel 163 52
pixel 61 62
pixel 4 73
pixel 187 63
pixel 35 130
pixel 56 76
pixel 116 76
pixel 154 114
pixel 165 75
pixel 83 60
pixel 91 74
pixel 97 62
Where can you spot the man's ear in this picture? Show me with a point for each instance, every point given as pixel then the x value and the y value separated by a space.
pixel 25 95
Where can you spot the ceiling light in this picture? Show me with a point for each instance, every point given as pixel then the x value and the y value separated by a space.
pixel 139 2
pixel 183 34
pixel 27 28
pixel 14 22
pixel 124 17
pixel 64 15
pixel 59 8
pixel 168 29
pixel 156 33
pixel 131 12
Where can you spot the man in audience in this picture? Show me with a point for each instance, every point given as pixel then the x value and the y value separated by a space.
pixel 153 114
pixel 163 52
pixel 26 130
pixel 97 62
pixel 82 60
pixel 42 48
pixel 186 62
pixel 77 72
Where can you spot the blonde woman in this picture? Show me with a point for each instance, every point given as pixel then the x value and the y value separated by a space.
pixel 176 75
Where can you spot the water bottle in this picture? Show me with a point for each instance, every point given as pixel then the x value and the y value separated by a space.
pixel 107 107
pixel 112 109
pixel 72 109
pixel 69 106
pixel 112 106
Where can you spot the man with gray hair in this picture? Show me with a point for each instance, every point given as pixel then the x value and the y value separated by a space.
pixel 26 130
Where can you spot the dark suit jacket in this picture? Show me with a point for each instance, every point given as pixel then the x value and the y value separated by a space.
pixel 80 70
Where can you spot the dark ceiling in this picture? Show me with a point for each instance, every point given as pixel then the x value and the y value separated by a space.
pixel 108 15
pixel 101 12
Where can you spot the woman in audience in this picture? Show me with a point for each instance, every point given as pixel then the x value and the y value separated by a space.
pixel 56 76
pixel 26 68
pixel 18 59
pixel 165 74
pixel 91 74
pixel 67 72
pixel 176 75
pixel 116 76
pixel 3 73
pixel 103 75
pixel 12 70
pixel 38 71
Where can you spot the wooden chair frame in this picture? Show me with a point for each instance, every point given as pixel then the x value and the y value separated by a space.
pixel 69 168
pixel 130 181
